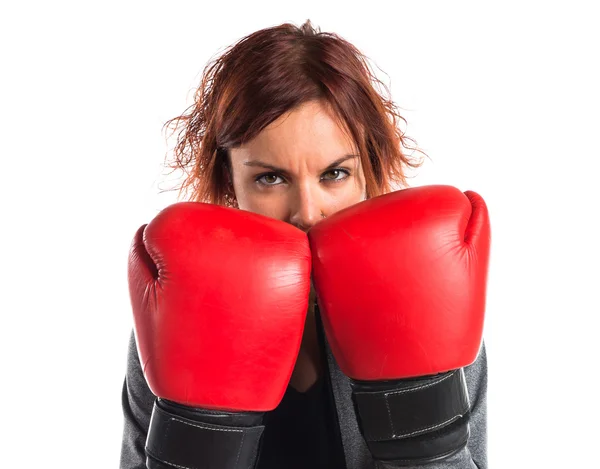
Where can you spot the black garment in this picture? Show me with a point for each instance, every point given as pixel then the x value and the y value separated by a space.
pixel 301 425
pixel 305 425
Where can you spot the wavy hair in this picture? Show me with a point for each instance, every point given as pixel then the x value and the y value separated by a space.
pixel 269 73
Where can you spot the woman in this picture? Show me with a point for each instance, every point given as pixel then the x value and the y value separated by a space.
pixel 287 124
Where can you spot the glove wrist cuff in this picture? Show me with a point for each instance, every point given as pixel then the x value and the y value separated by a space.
pixel 181 436
pixel 414 421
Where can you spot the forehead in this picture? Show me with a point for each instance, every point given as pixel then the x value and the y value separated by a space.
pixel 309 133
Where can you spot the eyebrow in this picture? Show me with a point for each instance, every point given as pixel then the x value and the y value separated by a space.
pixel 276 169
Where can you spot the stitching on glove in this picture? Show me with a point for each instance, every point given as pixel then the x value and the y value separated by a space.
pixel 423 386
pixel 206 427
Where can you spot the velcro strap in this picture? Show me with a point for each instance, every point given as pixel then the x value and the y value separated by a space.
pixel 411 408
pixel 188 444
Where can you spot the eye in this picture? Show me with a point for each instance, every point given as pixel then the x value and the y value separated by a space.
pixel 335 175
pixel 269 179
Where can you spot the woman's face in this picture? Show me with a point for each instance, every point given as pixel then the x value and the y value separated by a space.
pixel 299 169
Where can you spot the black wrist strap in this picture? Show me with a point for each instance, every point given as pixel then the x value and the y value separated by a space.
pixel 178 441
pixel 414 421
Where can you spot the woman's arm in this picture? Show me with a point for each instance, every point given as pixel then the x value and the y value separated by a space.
pixel 476 375
pixel 474 455
pixel 137 401
pixel 402 279
pixel 216 349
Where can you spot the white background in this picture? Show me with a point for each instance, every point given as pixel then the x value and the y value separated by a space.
pixel 504 98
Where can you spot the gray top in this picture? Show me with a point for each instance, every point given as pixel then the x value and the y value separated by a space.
pixel 138 401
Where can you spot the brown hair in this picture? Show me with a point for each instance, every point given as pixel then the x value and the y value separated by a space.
pixel 267 74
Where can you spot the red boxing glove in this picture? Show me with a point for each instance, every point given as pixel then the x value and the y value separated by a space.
pixel 219 299
pixel 401 284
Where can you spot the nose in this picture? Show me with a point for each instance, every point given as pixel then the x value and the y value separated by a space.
pixel 306 208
